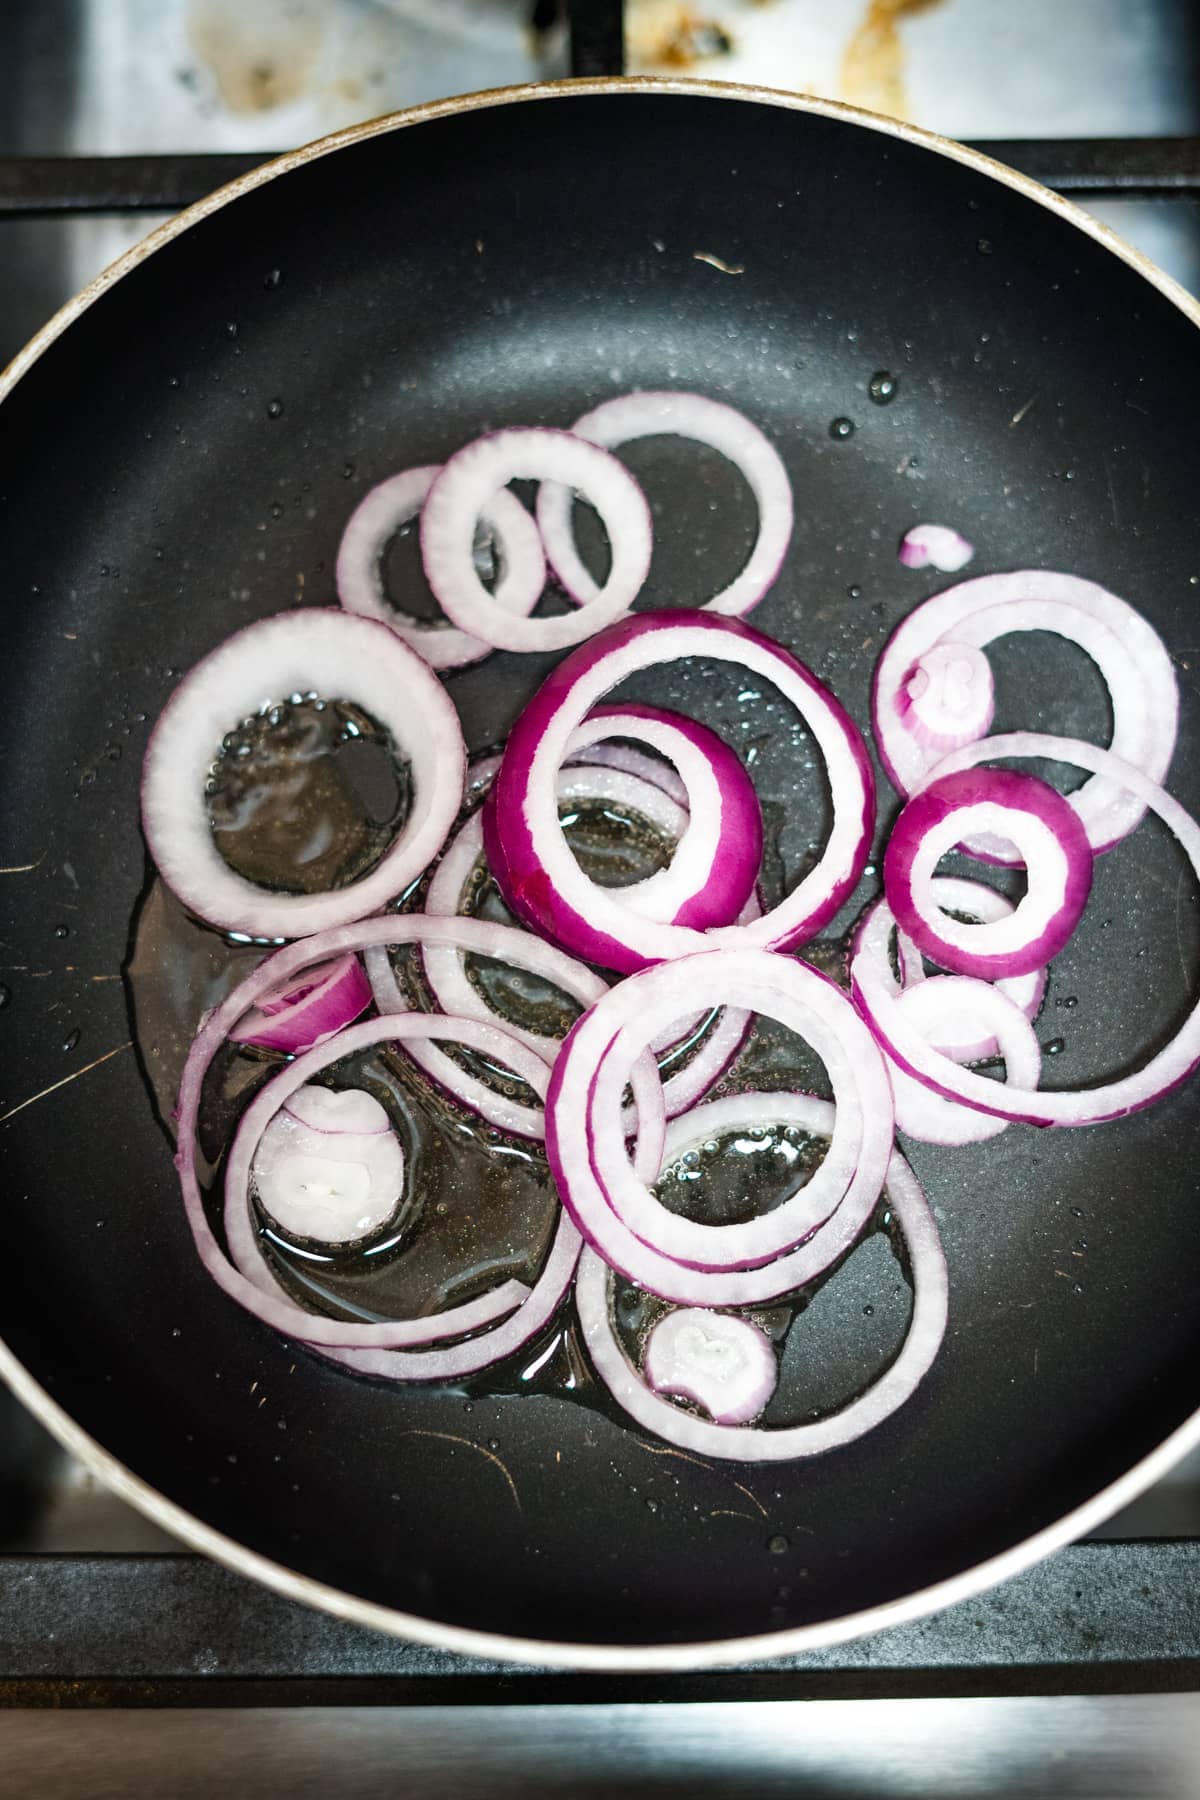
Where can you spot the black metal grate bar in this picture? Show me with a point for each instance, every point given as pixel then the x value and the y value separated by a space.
pixel 50 186
pixel 180 1631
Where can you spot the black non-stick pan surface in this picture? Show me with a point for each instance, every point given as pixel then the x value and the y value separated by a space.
pixel 181 458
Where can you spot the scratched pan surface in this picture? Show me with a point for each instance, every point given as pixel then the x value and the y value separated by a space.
pixel 518 263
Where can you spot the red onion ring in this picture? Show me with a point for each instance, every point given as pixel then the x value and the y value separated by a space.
pixel 321 1002
pixel 959 1003
pixel 704 421
pixel 376 520
pixel 295 652
pixel 709 880
pixel 1052 842
pixel 1126 649
pixel 521 826
pixel 1168 1069
pixel 703 1265
pixel 743 1443
pixel 597 748
pixel 468 484
pixel 958 1037
pixel 519 948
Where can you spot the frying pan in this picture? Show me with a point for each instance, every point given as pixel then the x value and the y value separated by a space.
pixel 178 452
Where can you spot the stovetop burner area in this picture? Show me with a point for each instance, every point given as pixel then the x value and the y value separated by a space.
pixel 88 78
pixel 122 78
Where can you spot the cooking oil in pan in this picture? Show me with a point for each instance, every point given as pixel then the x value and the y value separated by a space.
pixel 306 795
pixel 292 811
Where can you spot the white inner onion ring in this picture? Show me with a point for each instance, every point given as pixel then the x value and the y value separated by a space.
pixel 586 1155
pixel 342 657
pixel 1124 646
pixel 704 421
pixel 467 485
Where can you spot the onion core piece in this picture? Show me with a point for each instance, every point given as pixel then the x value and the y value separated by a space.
pixel 950 696
pixel 338 1110
pixel 939 546
pixel 326 1170
pixel 724 1363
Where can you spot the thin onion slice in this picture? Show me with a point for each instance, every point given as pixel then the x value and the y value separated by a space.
pixel 521 818
pixel 1168 1069
pixel 342 657
pixel 756 1444
pixel 610 1201
pixel 323 1001
pixel 377 518
pixel 467 486
pixel 1124 646
pixel 1053 845
pixel 704 421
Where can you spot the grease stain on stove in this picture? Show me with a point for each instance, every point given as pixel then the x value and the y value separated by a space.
pixel 873 63
pixel 262 56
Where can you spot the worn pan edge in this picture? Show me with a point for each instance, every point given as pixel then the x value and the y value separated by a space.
pixel 290 1583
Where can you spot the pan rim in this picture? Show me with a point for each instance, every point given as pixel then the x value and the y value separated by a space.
pixel 292 1584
